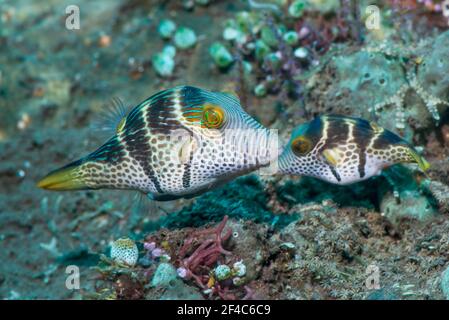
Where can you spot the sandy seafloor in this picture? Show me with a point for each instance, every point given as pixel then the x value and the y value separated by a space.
pixel 300 238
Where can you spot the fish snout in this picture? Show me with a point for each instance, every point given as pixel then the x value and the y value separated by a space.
pixel 66 178
pixel 405 153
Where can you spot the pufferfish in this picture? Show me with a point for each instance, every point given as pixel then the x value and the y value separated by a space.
pixel 344 150
pixel 177 143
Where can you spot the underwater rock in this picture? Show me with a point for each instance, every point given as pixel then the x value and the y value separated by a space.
pixel 185 38
pixel 287 246
pixel 221 55
pixel 412 204
pixel 268 36
pixel 169 51
pixel 261 50
pixel 164 275
pixel 433 70
pixel 165 278
pixel 398 87
pixel 260 90
pixel 296 8
pixel 247 246
pixel 124 250
pixel 375 78
pixel 166 28
pixel 301 53
pixel 326 243
pixel 163 62
pixel 291 38
pixel 179 290
pixel 440 192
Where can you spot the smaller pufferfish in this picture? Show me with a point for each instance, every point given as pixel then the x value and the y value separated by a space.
pixel 344 150
pixel 178 143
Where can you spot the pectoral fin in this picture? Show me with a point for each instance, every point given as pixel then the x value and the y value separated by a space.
pixel 186 150
pixel 332 157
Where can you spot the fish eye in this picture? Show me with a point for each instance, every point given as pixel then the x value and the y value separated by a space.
pixel 213 117
pixel 301 146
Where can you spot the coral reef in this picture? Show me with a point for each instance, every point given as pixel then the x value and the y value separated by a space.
pixel 201 261
pixel 440 192
pixel 311 258
pixel 207 252
pixel 396 85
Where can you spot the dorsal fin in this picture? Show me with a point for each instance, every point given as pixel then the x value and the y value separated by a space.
pixel 111 117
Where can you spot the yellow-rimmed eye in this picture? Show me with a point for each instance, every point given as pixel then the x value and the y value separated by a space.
pixel 213 117
pixel 301 146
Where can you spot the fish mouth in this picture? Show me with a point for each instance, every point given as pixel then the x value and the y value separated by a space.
pixel 418 159
pixel 66 178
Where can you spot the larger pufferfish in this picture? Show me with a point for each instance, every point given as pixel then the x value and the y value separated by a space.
pixel 177 143
pixel 344 150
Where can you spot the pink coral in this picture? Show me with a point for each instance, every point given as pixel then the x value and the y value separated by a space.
pixel 206 254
